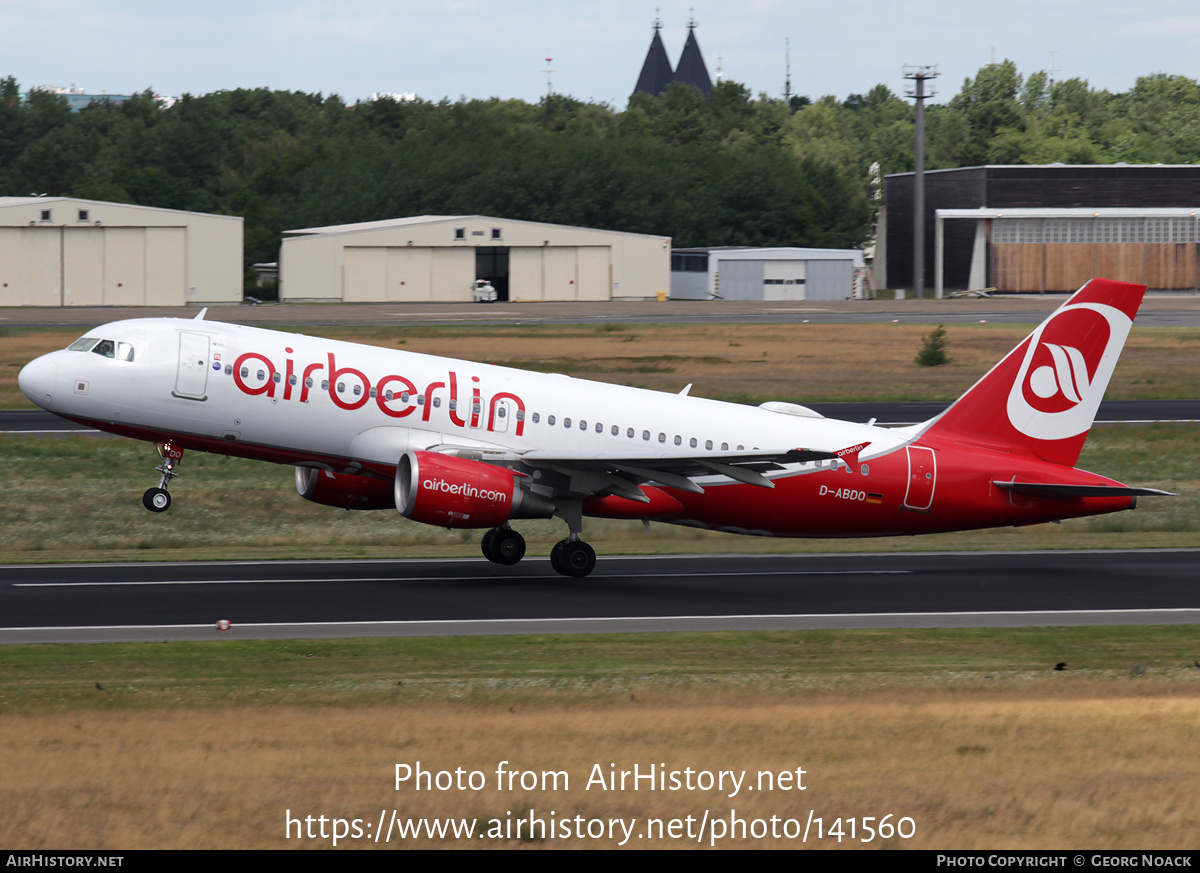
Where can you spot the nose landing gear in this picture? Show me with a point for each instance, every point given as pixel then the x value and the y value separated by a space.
pixel 159 499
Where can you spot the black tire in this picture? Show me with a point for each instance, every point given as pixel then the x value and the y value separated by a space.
pixel 157 499
pixel 576 559
pixel 556 557
pixel 487 544
pixel 508 547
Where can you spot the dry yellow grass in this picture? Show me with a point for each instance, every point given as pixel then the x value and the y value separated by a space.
pixel 1063 764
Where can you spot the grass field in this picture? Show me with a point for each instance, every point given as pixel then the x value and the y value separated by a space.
pixel 970 733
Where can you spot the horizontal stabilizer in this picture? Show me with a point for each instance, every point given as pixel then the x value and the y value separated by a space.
pixel 1050 489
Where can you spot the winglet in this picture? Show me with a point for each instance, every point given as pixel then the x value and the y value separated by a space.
pixel 850 454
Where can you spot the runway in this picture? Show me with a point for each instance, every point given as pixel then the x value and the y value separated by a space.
pixel 108 602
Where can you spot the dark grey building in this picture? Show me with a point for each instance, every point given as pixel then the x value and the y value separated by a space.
pixel 1049 186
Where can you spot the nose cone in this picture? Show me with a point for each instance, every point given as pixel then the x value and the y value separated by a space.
pixel 37 380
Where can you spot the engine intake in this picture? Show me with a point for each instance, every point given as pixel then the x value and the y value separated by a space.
pixel 457 492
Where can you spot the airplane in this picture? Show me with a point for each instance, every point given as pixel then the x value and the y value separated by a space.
pixel 469 445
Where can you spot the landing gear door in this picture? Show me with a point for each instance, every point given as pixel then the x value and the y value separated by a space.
pixel 922 479
pixel 191 380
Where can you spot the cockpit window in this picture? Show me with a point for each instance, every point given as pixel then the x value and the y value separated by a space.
pixel 122 351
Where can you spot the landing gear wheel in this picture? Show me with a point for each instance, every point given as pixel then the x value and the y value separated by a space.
pixel 157 499
pixel 573 558
pixel 485 544
pixel 508 547
pixel 503 545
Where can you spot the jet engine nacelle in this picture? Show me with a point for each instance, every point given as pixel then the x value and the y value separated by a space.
pixel 457 492
pixel 343 490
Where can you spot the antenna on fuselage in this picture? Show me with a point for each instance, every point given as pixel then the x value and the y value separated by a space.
pixel 200 314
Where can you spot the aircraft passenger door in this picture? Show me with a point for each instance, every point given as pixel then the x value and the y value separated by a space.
pixel 502 412
pixel 922 478
pixel 191 379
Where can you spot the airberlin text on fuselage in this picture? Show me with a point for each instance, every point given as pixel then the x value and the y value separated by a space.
pixel 395 395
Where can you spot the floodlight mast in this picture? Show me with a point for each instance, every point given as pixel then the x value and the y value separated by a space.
pixel 919 74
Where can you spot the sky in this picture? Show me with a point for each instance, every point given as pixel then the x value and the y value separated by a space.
pixel 452 49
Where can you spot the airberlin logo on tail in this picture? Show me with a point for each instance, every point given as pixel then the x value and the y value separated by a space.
pixel 1066 369
pixel 1068 376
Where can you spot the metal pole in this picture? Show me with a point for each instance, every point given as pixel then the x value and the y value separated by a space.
pixel 919 75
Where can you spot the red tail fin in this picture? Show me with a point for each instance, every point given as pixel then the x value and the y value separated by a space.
pixel 1044 395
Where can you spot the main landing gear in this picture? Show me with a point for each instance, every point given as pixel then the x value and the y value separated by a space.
pixel 503 545
pixel 573 557
pixel 159 499
pixel 570 557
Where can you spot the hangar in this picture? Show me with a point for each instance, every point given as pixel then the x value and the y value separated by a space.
pixel 1038 227
pixel 63 251
pixel 739 273
pixel 428 258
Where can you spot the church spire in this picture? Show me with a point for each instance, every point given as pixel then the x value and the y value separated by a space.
pixel 691 69
pixel 656 71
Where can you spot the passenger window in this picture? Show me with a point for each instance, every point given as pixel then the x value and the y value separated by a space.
pixel 662 437
pixel 678 439
pixel 629 433
pixel 615 430
pixel 550 420
pixel 646 435
pixel 692 442
pixel 566 422
pixel 582 424
pixel 537 416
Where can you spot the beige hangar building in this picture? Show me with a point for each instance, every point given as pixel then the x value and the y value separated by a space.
pixel 438 258
pixel 63 251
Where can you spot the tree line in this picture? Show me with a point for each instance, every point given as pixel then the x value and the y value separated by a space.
pixel 729 169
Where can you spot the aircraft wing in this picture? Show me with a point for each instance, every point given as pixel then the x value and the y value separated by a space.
pixel 622 472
